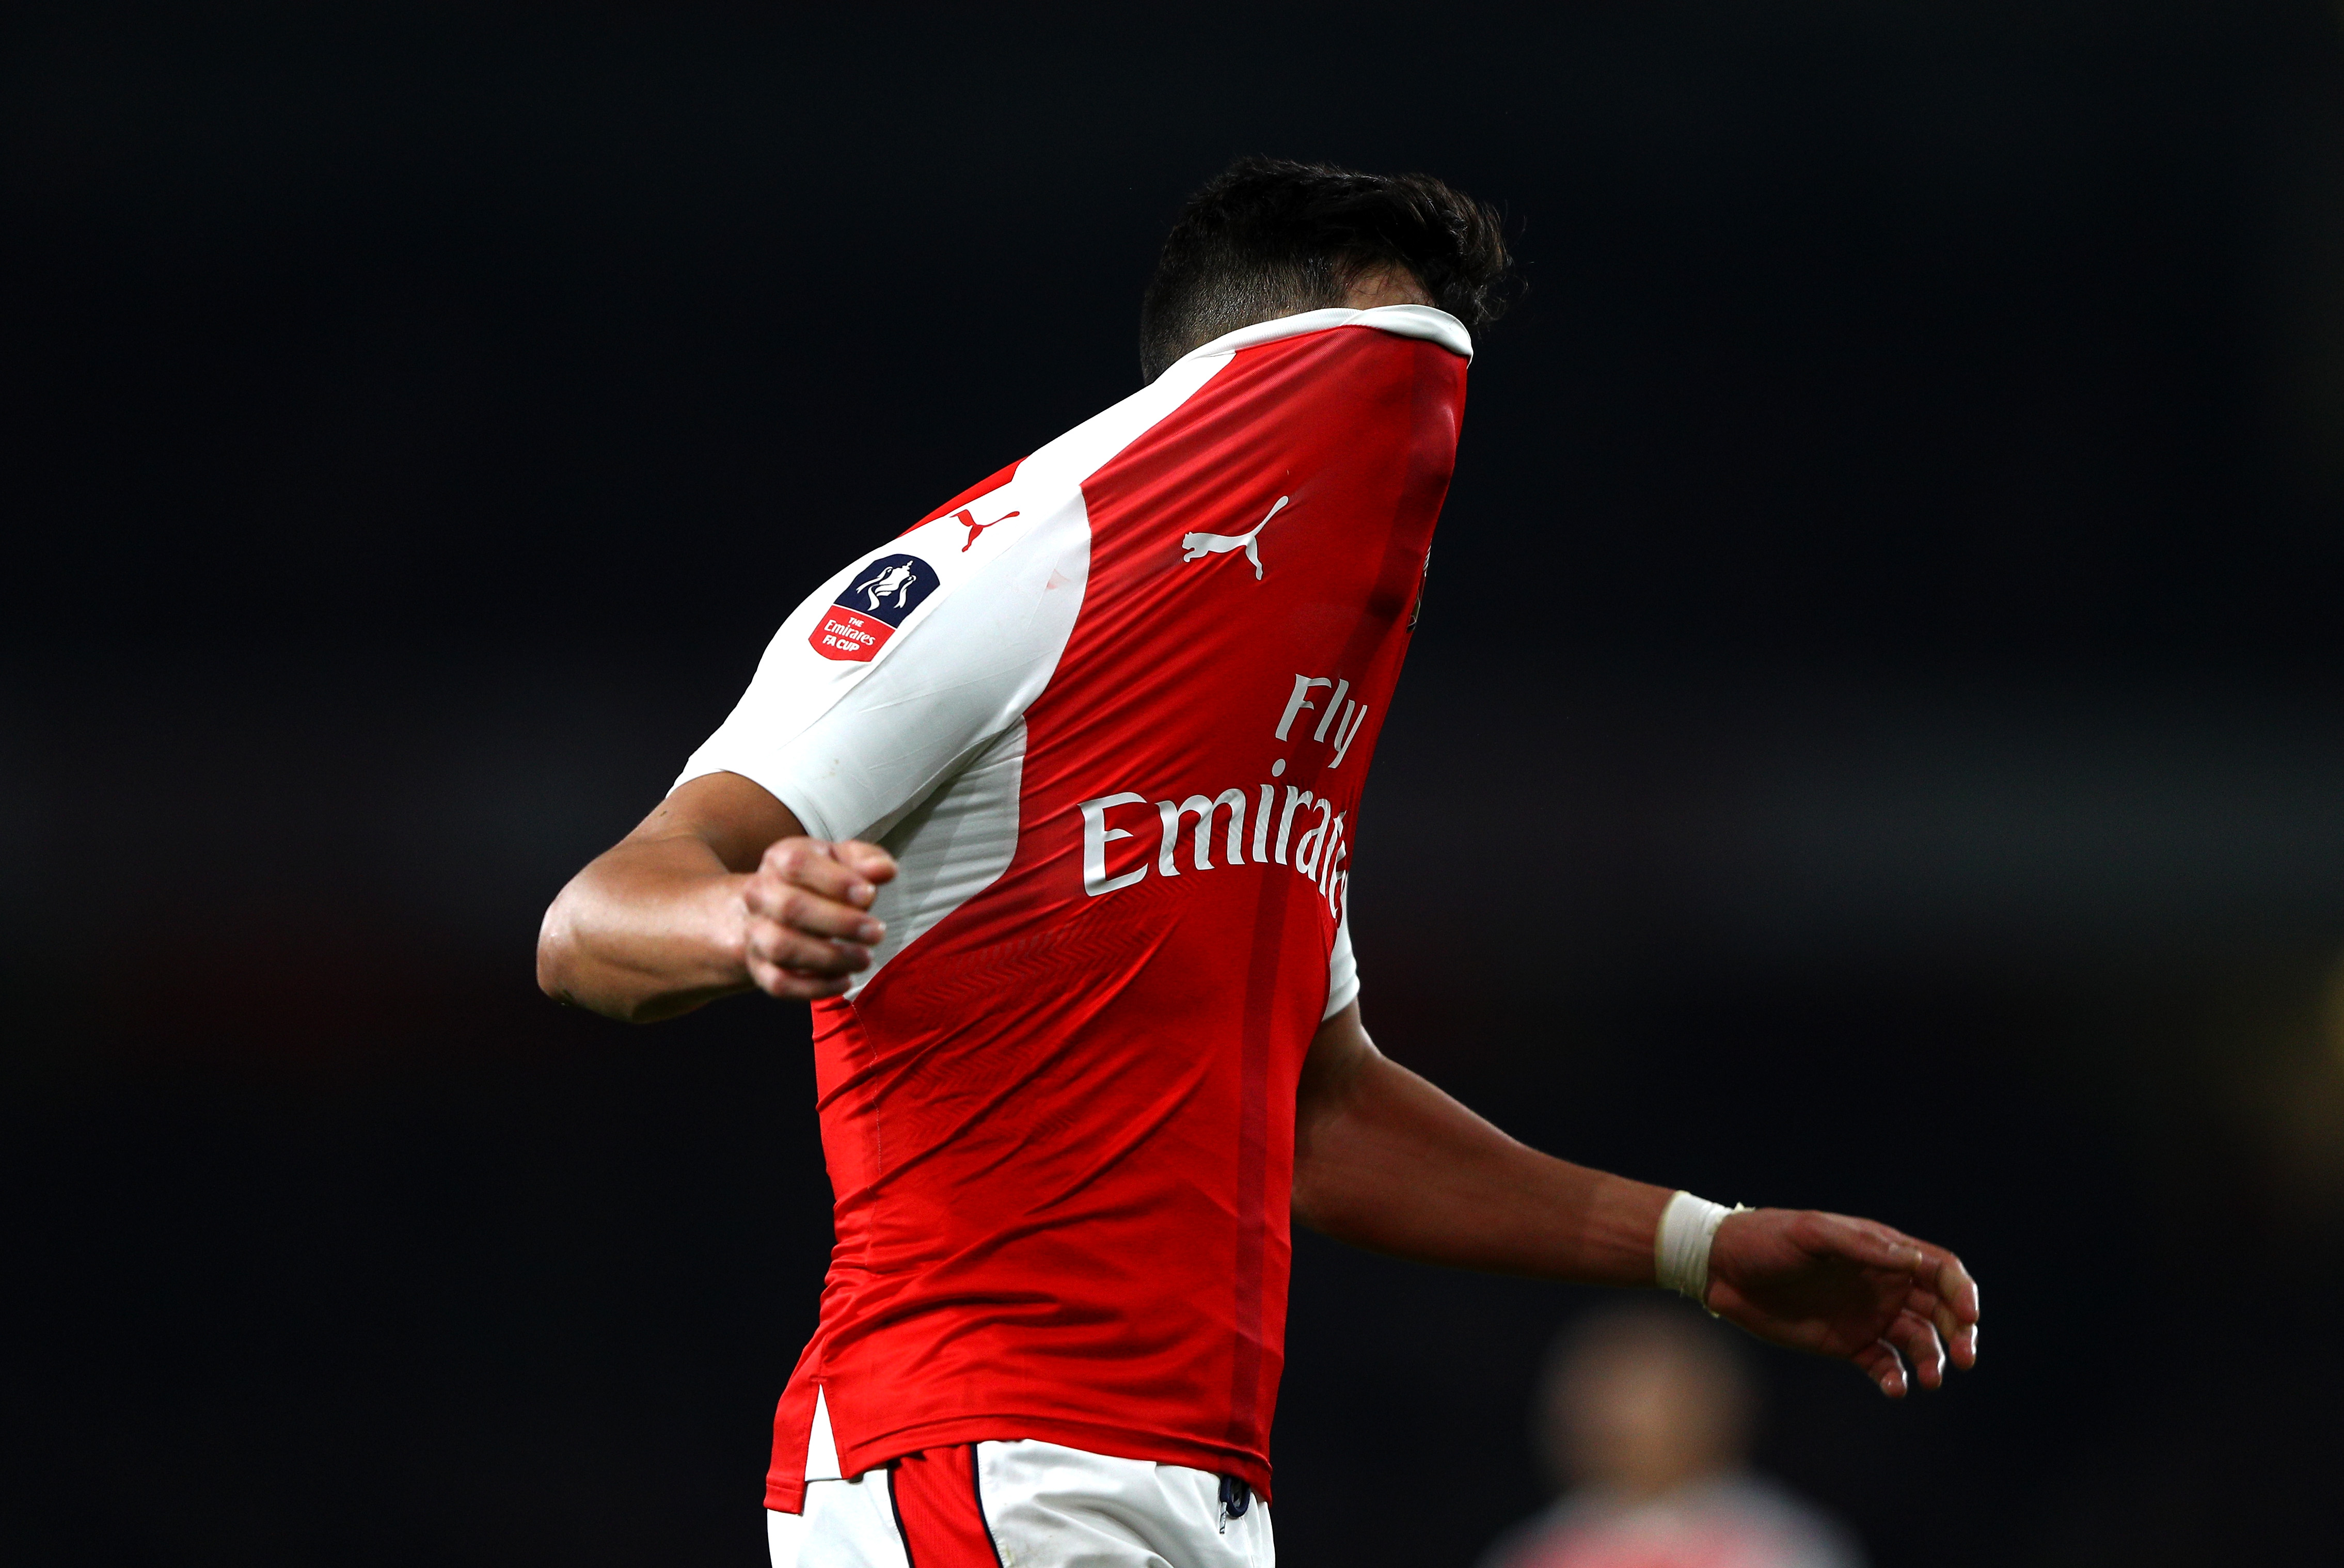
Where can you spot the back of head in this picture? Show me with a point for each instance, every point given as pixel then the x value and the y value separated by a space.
pixel 1270 238
pixel 1641 1399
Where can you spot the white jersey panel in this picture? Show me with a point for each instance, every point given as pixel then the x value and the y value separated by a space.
pixel 950 846
pixel 1342 969
pixel 850 746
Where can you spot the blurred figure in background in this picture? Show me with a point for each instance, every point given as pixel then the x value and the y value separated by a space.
pixel 1643 1418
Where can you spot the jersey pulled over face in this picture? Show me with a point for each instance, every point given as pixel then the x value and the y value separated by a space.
pixel 1111 711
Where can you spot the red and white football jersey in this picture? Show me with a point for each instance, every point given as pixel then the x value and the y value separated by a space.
pixel 1111 712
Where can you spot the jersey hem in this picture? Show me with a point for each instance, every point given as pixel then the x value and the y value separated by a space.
pixel 782 1496
pixel 1434 326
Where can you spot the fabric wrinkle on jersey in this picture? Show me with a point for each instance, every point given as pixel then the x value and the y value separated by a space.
pixel 1058 1111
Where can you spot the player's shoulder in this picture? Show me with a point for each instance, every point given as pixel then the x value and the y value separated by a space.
pixel 1007 538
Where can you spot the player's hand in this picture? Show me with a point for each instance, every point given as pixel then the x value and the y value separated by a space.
pixel 809 926
pixel 1848 1287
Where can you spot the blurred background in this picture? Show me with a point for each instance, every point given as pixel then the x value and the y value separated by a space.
pixel 1875 739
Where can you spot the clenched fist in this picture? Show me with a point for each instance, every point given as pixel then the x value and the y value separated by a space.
pixel 807 908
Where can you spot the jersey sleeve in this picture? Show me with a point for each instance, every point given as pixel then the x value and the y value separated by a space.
pixel 904 665
pixel 1342 969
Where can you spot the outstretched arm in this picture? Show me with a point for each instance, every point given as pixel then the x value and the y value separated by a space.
pixel 1385 1160
pixel 717 891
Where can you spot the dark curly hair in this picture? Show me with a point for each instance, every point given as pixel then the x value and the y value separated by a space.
pixel 1270 238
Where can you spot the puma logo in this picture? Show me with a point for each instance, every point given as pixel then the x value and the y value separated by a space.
pixel 966 518
pixel 1200 545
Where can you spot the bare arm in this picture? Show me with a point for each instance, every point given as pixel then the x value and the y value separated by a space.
pixel 1385 1160
pixel 717 891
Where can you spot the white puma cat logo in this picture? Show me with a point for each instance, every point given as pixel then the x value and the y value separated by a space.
pixel 1200 545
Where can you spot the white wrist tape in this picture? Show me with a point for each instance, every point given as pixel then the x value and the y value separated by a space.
pixel 1681 1245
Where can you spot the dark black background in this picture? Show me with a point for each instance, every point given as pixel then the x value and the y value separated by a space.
pixel 1873 740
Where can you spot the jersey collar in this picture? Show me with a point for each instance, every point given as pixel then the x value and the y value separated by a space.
pixel 1400 320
